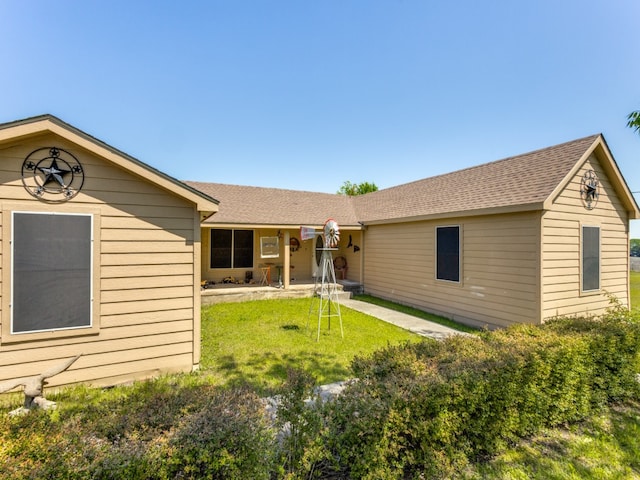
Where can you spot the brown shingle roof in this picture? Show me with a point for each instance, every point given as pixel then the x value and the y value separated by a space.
pixel 518 183
pixel 274 206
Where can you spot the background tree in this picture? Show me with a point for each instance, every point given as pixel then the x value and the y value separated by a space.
pixel 352 189
pixel 633 121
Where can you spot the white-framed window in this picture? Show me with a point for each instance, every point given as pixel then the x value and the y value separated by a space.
pixel 231 248
pixel 269 247
pixel 448 248
pixel 590 261
pixel 52 258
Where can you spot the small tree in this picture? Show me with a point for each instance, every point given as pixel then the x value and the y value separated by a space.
pixel 633 121
pixel 352 189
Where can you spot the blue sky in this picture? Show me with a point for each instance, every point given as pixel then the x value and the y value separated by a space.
pixel 308 94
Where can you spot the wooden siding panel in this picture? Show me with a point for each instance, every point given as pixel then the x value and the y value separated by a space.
pixel 154 361
pixel 561 291
pixel 146 282
pixel 143 306
pixel 125 271
pixel 128 346
pixel 143 294
pixel 136 259
pixel 148 241
pixel 140 235
pixel 499 268
pixel 174 361
pixel 149 247
pixel 116 326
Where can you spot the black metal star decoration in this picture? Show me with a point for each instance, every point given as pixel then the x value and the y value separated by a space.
pixel 52 174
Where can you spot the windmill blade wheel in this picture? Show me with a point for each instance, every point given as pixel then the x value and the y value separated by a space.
pixel 331 234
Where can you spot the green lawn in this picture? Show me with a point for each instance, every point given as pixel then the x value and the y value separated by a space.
pixel 635 290
pixel 604 446
pixel 256 342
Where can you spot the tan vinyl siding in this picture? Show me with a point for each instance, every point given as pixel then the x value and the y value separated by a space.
pixel 354 259
pixel 3 274
pixel 149 239
pixel 561 248
pixel 302 259
pixel 499 278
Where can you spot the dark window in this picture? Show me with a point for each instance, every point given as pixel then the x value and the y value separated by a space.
pixel 242 248
pixel 231 248
pixel 590 258
pixel 221 241
pixel 52 275
pixel 448 253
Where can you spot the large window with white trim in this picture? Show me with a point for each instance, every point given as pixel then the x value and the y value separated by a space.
pixel 52 271
pixel 231 248
pixel 590 258
pixel 448 253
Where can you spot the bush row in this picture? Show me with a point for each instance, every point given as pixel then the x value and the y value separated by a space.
pixel 426 410
pixel 151 434
pixel 420 410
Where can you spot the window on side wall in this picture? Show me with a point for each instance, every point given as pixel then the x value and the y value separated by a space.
pixel 448 253
pixel 231 248
pixel 52 274
pixel 590 258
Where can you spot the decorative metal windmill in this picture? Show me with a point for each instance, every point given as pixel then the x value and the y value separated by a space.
pixel 326 291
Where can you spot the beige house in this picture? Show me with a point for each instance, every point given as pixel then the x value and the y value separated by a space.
pixel 99 257
pixel 522 239
pixel 104 256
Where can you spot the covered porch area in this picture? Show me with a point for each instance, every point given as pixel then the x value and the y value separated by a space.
pixel 226 293
pixel 264 258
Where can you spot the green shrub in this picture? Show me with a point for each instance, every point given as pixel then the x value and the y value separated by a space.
pixel 430 408
pixel 196 432
pixel 229 438
pixel 299 421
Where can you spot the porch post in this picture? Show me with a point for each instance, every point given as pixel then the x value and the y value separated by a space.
pixel 286 267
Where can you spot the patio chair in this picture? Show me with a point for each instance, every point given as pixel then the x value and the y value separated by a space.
pixel 340 266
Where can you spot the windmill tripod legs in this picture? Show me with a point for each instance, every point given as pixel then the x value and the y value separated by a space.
pixel 327 294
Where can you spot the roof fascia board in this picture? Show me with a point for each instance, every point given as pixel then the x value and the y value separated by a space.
pixel 274 226
pixel 460 213
pixel 548 203
pixel 38 125
pixel 619 183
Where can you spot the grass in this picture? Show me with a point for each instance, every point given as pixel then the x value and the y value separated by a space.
pixel 604 446
pixel 256 342
pixel 635 290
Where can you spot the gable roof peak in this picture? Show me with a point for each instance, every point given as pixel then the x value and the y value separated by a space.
pixel 521 182
pixel 39 124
